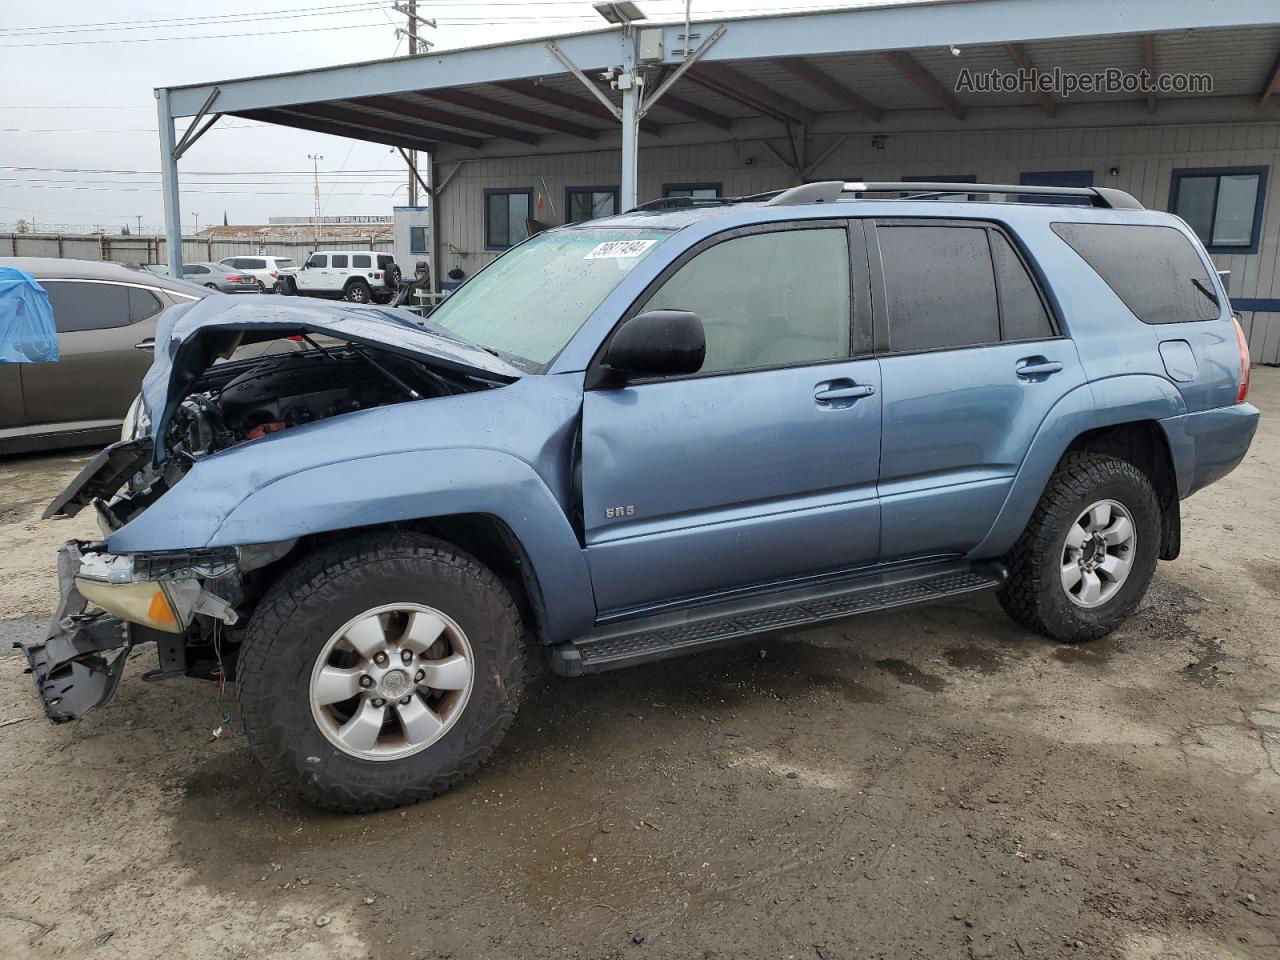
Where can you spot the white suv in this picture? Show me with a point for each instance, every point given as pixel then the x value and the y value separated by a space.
pixel 361 276
pixel 266 270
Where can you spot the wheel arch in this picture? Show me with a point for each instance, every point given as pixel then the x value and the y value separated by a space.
pixel 1080 419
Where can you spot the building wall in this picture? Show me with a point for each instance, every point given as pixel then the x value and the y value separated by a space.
pixel 1145 157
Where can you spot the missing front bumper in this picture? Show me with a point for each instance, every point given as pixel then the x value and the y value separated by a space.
pixel 71 667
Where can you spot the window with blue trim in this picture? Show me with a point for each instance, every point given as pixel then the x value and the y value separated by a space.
pixel 589 203
pixel 505 216
pixel 1223 205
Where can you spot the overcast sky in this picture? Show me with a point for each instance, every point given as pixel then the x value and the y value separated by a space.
pixel 78 107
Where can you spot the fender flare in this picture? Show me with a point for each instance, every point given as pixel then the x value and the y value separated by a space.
pixel 387 488
pixel 1101 403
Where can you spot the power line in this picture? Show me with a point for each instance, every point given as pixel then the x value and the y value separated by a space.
pixel 196 21
pixel 208 36
pixel 189 173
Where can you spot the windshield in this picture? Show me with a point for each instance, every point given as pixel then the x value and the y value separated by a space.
pixel 530 301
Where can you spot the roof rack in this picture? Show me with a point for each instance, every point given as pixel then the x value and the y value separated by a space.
pixel 830 191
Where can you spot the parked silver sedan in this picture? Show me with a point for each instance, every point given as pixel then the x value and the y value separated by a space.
pixel 214 276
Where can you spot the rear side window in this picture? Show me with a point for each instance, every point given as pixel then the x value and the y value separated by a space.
pixel 143 304
pixel 81 306
pixel 941 286
pixel 251 263
pixel 767 299
pixel 339 260
pixel 361 260
pixel 1154 270
pixel 1022 312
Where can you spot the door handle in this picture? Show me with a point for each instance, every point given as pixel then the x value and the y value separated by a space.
pixel 147 344
pixel 1037 368
pixel 840 393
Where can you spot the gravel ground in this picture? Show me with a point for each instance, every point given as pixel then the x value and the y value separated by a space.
pixel 929 783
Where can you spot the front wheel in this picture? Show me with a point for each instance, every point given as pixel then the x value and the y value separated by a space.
pixel 1086 558
pixel 380 671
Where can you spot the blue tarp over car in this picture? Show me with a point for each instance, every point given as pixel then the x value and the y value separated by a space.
pixel 27 332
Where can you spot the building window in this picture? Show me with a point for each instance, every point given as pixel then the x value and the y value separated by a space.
pixel 589 203
pixel 505 216
pixel 1223 205
pixel 419 242
pixel 698 191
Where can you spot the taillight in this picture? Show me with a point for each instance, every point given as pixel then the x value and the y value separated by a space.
pixel 233 279
pixel 1243 344
pixel 377 276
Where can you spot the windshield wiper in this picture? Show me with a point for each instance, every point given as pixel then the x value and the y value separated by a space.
pixel 1206 291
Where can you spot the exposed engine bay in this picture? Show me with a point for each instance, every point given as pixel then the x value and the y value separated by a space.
pixel 244 400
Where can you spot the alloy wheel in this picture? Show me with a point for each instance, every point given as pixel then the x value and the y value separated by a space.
pixel 1098 553
pixel 392 681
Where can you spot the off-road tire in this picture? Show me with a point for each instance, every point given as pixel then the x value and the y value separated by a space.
pixel 1033 595
pixel 357 291
pixel 302 610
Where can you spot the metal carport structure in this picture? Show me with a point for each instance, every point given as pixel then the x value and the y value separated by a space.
pixel 800 83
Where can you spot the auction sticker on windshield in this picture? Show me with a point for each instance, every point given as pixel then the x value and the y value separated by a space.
pixel 618 249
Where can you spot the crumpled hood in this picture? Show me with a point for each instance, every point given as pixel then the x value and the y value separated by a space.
pixel 191 336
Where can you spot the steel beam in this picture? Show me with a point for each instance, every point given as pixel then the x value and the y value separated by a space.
pixel 695 111
pixel 357 118
pixel 1273 84
pixel 581 77
pixel 729 83
pixel 1019 55
pixel 567 101
pixel 420 111
pixel 169 184
pixel 287 118
pixel 803 70
pixel 910 68
pixel 496 108
pixel 670 81
pixel 191 136
pixel 629 179
pixel 1149 64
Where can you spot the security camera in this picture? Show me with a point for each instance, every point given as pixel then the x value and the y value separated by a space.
pixel 955 51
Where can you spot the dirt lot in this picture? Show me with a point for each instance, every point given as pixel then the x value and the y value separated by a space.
pixel 932 783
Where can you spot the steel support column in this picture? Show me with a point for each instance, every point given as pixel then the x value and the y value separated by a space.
pixel 631 88
pixel 169 184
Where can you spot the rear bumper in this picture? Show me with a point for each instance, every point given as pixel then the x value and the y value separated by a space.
pixel 1209 444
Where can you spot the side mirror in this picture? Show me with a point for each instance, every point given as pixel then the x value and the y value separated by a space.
pixel 658 343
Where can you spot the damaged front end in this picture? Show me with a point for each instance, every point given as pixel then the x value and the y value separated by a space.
pixel 78 666
pixel 205 406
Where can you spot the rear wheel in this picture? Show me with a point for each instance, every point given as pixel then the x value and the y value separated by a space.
pixel 357 291
pixel 380 671
pixel 1087 556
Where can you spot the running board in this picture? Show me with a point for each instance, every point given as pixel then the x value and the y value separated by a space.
pixel 672 634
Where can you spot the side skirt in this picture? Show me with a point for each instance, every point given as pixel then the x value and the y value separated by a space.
pixel 716 624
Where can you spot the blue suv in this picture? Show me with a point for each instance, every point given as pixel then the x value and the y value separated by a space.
pixel 645 436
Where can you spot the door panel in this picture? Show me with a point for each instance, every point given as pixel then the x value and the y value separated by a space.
pixel 99 369
pixel 971 367
pixel 695 486
pixel 762 468
pixel 11 410
pixel 957 424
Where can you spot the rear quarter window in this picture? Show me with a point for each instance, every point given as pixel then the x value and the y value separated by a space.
pixel 1155 270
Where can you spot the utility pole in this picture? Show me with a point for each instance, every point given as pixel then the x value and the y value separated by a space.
pixel 315 159
pixel 416 45
pixel 139 224
pixel 197 216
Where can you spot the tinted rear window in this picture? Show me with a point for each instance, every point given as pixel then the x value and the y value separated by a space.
pixel 1021 309
pixel 941 287
pixel 1154 270
pixel 361 260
